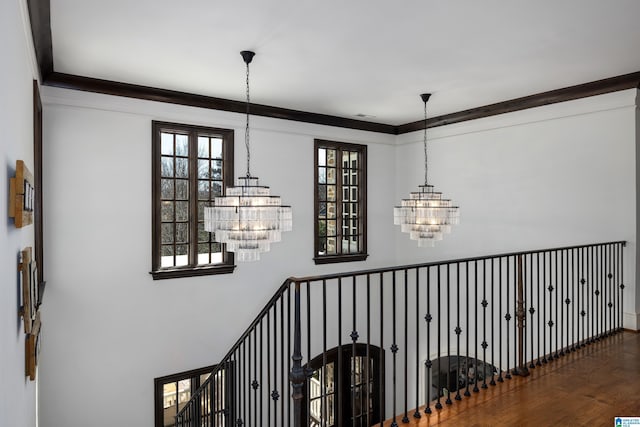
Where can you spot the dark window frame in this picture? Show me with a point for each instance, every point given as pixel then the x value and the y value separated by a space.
pixel 362 202
pixel 227 266
pixel 341 357
pixel 38 204
pixel 195 376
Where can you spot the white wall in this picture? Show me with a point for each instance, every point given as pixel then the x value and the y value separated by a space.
pixel 112 328
pixel 557 175
pixel 553 176
pixel 17 393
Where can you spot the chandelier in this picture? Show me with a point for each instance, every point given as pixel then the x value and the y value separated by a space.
pixel 425 215
pixel 247 218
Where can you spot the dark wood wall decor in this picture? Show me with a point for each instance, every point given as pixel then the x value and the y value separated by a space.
pixel 21 196
pixel 32 348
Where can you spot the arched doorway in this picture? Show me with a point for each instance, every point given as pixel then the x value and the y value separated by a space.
pixel 344 387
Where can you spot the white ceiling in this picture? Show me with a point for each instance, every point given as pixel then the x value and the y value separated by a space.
pixel 350 57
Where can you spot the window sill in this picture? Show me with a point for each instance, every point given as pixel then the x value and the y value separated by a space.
pixel 332 259
pixel 175 273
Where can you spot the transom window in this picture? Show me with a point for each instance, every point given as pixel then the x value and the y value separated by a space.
pixel 191 166
pixel 340 202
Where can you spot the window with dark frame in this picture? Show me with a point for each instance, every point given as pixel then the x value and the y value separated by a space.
pixel 172 392
pixel 191 166
pixel 340 212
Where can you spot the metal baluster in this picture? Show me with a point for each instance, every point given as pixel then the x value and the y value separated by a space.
pixel 558 306
pixel 428 363
pixel 368 370
pixel 458 330
pixel 484 324
pixel 583 312
pixel 508 318
pixel 572 283
pixel 289 352
pixel 394 346
pixel 416 414
pixel 563 284
pixel 466 392
pixel 381 376
pixel 354 338
pixel 243 383
pixel 297 372
pixel 622 284
pixel 282 374
pixel 308 371
pixel 438 404
pixel 500 379
pixel 609 293
pixel 268 390
pixel 492 317
pixel 591 283
pixel 274 393
pixel 544 307
pixel 340 385
pixel 532 310
pixel 405 418
pixel 323 372
pixel 538 324
pixel 475 311
pixel 448 400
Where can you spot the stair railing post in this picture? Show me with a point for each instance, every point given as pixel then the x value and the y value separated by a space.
pixel 297 375
pixel 521 315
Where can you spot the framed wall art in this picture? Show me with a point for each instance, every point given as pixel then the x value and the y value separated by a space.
pixel 21 196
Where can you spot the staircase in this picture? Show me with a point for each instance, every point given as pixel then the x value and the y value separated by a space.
pixel 398 343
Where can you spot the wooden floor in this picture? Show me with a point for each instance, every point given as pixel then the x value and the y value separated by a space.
pixel 588 387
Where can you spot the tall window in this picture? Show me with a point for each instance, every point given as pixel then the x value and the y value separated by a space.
pixel 340 202
pixel 191 166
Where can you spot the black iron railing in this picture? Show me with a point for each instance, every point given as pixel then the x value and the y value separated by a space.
pixel 404 341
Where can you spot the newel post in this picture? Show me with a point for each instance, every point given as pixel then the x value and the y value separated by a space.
pixel 521 315
pixel 297 375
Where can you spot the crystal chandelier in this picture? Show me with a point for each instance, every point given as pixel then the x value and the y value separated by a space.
pixel 425 215
pixel 247 218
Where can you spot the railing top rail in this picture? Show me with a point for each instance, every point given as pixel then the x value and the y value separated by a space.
pixel 439 263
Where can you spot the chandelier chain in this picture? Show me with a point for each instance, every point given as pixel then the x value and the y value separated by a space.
pixel 246 132
pixel 425 143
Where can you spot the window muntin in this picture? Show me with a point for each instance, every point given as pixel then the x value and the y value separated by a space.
pixel 192 165
pixel 340 202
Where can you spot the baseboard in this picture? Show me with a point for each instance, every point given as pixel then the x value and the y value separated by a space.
pixel 631 321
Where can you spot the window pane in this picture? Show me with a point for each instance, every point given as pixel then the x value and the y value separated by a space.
pixel 182 145
pixel 166 211
pixel 216 169
pixel 166 144
pixel 201 206
pixel 182 189
pixel 216 148
pixel 217 189
pixel 169 404
pixel 331 245
pixel 331 176
pixel 331 193
pixel 182 168
pixel 182 211
pixel 167 233
pixel 203 147
pixel 322 157
pixel 203 169
pixel 331 228
pixel 322 228
pixel 166 189
pixel 166 260
pixel 182 255
pixel 322 210
pixel 203 235
pixel 203 190
pixel 322 192
pixel 167 166
pixel 331 210
pixel 322 175
pixel 331 157
pixel 182 232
